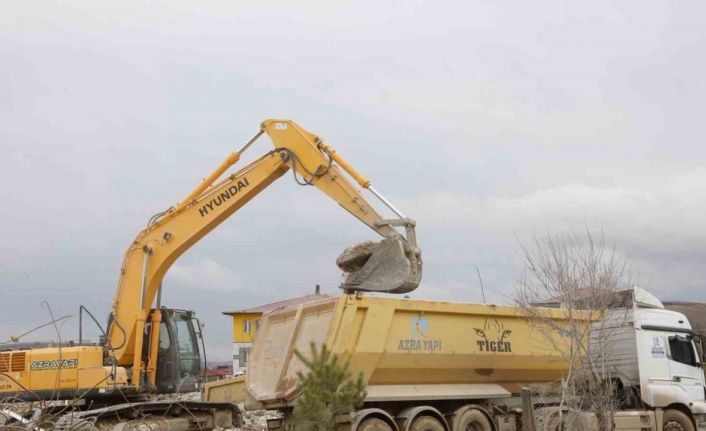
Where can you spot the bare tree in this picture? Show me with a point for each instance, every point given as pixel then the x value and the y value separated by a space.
pixel 581 275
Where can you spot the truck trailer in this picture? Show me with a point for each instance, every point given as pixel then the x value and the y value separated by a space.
pixel 447 366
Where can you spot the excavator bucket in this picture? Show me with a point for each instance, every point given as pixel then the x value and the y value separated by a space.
pixel 390 266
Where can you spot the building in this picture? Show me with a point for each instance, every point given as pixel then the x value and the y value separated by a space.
pixel 246 322
pixel 218 372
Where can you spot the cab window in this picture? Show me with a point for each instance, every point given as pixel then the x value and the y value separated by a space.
pixel 682 350
pixel 164 341
pixel 186 342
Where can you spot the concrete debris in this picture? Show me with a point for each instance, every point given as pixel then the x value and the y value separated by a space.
pixel 39 417
pixel 254 420
pixel 354 257
pixel 186 396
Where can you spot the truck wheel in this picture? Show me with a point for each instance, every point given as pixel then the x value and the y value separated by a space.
pixel 675 420
pixel 473 420
pixel 373 424
pixel 427 423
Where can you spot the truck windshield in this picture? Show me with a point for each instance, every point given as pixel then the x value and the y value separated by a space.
pixel 682 350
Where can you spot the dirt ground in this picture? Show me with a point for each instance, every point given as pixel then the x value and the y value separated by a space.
pixel 254 420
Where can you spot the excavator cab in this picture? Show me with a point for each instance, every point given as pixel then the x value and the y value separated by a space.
pixel 179 357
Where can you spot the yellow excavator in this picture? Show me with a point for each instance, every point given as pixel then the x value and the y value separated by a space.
pixel 148 348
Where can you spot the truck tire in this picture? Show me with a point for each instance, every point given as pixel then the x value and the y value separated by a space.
pixel 473 420
pixel 374 424
pixel 675 420
pixel 427 423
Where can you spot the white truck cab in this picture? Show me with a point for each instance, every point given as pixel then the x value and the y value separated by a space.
pixel 669 363
pixel 655 352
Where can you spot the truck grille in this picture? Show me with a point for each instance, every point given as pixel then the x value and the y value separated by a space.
pixel 12 361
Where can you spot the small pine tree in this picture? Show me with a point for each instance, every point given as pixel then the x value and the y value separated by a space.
pixel 327 389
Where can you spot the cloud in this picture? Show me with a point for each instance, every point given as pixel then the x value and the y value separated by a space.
pixel 657 223
pixel 205 274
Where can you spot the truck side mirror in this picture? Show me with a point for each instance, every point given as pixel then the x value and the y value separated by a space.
pixel 700 344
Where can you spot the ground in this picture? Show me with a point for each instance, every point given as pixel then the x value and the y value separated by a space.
pixel 254 420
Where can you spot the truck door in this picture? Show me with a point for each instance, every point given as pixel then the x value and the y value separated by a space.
pixel 684 365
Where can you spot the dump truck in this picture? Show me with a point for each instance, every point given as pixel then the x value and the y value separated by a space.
pixel 447 366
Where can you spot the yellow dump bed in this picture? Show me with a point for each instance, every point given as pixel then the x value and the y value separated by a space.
pixel 406 349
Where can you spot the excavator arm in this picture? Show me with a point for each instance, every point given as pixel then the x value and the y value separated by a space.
pixel 395 266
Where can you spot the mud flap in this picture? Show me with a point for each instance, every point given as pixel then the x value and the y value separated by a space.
pixel 388 266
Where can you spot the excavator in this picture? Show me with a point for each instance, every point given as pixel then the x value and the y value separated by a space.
pixel 150 349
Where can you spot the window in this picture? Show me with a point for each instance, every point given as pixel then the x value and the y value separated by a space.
pixel 186 341
pixel 164 341
pixel 246 326
pixel 244 355
pixel 682 350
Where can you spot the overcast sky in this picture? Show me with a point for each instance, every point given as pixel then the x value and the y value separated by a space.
pixel 486 121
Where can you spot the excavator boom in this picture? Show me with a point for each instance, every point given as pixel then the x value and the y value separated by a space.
pixel 392 266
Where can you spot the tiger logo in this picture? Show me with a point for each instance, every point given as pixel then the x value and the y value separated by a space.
pixel 493 337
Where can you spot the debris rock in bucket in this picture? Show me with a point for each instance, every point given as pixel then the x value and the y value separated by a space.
pixel 354 257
